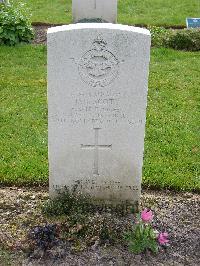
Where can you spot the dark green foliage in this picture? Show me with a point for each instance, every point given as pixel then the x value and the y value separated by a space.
pixel 92 20
pixel 187 39
pixel 68 202
pixel 15 25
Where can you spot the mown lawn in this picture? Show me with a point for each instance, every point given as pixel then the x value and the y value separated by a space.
pixel 172 135
pixel 152 12
pixel 24 114
pixel 172 131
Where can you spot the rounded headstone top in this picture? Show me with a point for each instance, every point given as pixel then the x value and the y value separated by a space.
pixel 110 26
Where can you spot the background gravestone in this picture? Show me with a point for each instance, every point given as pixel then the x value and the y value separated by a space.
pixel 97 97
pixel 105 10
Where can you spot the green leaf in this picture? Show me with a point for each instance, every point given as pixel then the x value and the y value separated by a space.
pixel 15 24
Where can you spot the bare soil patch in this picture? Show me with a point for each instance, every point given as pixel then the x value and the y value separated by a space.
pixel 40 34
pixel 177 213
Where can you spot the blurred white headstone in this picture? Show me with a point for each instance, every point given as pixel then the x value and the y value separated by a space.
pixel 106 10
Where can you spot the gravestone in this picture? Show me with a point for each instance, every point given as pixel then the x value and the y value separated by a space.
pixel 97 97
pixel 105 10
pixel 193 23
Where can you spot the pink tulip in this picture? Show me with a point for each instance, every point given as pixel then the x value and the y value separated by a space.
pixel 163 238
pixel 146 215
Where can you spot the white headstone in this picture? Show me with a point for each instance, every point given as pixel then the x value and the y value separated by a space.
pixel 97 97
pixel 95 9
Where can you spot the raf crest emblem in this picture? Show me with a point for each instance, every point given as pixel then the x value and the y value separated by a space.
pixel 98 67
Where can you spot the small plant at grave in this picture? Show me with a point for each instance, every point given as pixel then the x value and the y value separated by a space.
pixel 68 202
pixel 15 24
pixel 143 237
pixel 73 202
pixel 84 222
pixel 44 237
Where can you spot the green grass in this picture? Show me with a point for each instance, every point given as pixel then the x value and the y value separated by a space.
pixel 171 145
pixel 152 12
pixel 172 130
pixel 157 12
pixel 24 114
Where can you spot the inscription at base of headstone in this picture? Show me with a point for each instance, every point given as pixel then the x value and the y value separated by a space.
pixel 100 10
pixel 97 97
pixel 193 23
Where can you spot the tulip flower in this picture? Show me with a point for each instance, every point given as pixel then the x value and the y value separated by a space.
pixel 163 238
pixel 146 215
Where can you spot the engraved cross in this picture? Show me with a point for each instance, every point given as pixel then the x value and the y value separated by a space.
pixel 96 148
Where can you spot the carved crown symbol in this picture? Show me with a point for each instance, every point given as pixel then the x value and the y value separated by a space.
pixel 99 43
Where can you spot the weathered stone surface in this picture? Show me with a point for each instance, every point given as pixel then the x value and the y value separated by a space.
pixel 97 97
pixel 95 9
